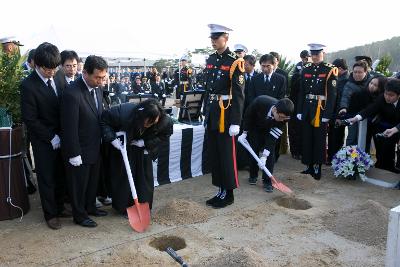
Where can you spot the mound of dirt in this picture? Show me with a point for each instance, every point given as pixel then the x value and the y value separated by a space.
pixel 180 212
pixel 243 257
pixel 366 223
pixel 300 181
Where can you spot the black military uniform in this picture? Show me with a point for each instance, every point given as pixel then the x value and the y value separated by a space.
pixel 316 102
pixel 223 89
pixel 183 80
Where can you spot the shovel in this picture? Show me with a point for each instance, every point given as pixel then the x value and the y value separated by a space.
pixel 139 213
pixel 275 183
pixel 176 257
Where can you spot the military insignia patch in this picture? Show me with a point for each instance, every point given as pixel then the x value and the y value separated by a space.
pixel 241 78
pixel 334 83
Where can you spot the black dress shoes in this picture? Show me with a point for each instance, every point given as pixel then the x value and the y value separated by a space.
pixel 87 223
pixel 54 223
pixel 65 214
pixel 222 203
pixel 211 201
pixel 309 170
pixel 99 213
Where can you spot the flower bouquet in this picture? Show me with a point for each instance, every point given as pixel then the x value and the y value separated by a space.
pixel 349 161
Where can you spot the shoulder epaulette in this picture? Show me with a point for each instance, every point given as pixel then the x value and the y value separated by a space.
pixel 328 65
pixel 232 55
pixel 307 65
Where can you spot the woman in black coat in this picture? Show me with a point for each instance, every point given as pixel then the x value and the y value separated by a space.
pixel 146 126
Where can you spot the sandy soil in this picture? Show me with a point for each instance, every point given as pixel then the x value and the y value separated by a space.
pixel 332 222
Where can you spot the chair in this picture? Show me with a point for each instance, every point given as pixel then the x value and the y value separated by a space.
pixel 191 105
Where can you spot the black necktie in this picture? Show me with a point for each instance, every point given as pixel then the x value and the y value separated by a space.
pixel 93 98
pixel 51 87
pixel 248 78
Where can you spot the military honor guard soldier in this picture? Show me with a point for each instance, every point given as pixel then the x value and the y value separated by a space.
pixel 223 112
pixel 316 102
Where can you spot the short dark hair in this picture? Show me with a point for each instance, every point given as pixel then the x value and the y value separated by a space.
pixel 266 57
pixel 68 55
pixel 361 64
pixel 275 55
pixel 47 55
pixel 251 59
pixel 393 85
pixel 285 106
pixel 31 55
pixel 94 62
pixel 340 63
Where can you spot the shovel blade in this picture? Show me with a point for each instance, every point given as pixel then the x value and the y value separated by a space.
pixel 280 186
pixel 139 216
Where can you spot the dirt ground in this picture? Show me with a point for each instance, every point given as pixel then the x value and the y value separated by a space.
pixel 332 222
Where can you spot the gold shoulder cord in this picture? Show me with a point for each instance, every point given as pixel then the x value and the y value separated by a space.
pixel 316 121
pixel 237 63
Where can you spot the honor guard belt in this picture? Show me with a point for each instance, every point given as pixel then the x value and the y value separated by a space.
pixel 184 82
pixel 214 97
pixel 315 97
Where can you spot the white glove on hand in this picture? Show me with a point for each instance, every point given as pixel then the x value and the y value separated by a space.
pixel 324 120
pixel 138 143
pixel 156 95
pixel 164 96
pixel 262 162
pixel 243 136
pixel 265 153
pixel 76 161
pixel 234 130
pixel 56 142
pixel 117 144
pixel 298 117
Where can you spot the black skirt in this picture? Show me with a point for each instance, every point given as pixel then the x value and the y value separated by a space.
pixel 142 171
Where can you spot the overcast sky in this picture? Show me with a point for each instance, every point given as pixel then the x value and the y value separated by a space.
pixel 167 28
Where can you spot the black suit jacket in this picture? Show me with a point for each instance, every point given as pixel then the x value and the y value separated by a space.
pixel 275 88
pixel 247 88
pixel 80 122
pixel 387 114
pixel 286 75
pixel 40 108
pixel 256 119
pixel 158 89
pixel 59 78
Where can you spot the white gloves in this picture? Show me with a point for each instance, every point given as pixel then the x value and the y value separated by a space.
pixel 243 136
pixel 138 143
pixel 117 144
pixel 324 120
pixel 234 130
pixel 125 93
pixel 156 95
pixel 56 142
pixel 298 117
pixel 262 162
pixel 76 161
pixel 265 153
pixel 164 96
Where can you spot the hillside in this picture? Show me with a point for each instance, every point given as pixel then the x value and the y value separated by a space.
pixel 375 50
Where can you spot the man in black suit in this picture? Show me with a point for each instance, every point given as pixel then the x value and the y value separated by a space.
pixel 250 73
pixel 41 113
pixel 158 89
pixel 279 70
pixel 386 108
pixel 262 124
pixel 268 82
pixel 81 108
pixel 69 66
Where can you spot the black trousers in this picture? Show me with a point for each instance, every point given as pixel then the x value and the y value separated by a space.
pixel 314 143
pixel 385 151
pixel 257 141
pixel 221 158
pixel 104 184
pixel 50 176
pixel 142 171
pixel 82 181
pixel 335 139
pixel 295 140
